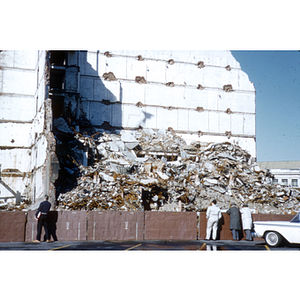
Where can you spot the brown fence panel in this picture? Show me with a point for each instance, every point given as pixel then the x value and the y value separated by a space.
pixel 71 225
pixel 63 226
pixel 12 226
pixel 170 225
pixel 224 232
pixel 31 227
pixel 115 225
pixel 271 217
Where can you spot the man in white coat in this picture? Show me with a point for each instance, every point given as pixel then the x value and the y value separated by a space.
pixel 213 214
pixel 247 221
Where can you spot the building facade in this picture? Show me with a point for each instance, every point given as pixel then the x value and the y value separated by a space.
pixel 200 95
pixel 285 172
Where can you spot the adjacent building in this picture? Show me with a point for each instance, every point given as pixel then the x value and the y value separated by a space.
pixel 285 172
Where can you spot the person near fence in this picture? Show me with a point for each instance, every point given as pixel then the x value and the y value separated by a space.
pixel 235 221
pixel 247 221
pixel 41 216
pixel 213 214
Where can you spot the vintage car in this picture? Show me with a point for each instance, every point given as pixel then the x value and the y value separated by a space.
pixel 275 232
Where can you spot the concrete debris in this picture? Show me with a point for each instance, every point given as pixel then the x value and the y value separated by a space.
pixel 200 64
pixel 228 88
pixel 157 170
pixel 140 79
pixel 107 54
pixel 228 68
pixel 170 84
pixel 110 76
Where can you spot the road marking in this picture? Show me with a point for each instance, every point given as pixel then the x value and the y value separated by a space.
pixel 59 248
pixel 267 248
pixel 202 246
pixel 132 247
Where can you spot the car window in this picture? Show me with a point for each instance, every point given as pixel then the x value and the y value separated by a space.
pixel 296 219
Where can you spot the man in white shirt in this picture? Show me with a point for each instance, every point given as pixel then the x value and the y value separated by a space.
pixel 213 214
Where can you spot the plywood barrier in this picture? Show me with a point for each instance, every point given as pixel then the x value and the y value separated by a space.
pixel 63 226
pixel 223 232
pixel 18 226
pixel 170 225
pixel 115 225
pixel 12 226
pixel 71 226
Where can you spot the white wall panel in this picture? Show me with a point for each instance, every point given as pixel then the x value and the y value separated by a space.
pixel 87 87
pixel 16 159
pixel 90 64
pixel 7 58
pixel 98 113
pixel 198 121
pixel 249 124
pixel 132 116
pixel 17 108
pixel 1 81
pixel 237 124
pixel 25 59
pixel 212 100
pixel 150 117
pixel 16 135
pixel 244 83
pixel 167 118
pixel 117 115
pixel 136 93
pixel 99 90
pixel 112 90
pixel 192 75
pixel 225 120
pixel 183 119
pixel 135 68
pixel 164 98
pixel 175 73
pixel 117 66
pixel 102 64
pixel 213 121
pixel 156 71
pixel 152 94
pixel 177 96
pixel 26 79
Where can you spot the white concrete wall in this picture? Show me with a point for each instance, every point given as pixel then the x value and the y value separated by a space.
pixel 22 95
pixel 160 106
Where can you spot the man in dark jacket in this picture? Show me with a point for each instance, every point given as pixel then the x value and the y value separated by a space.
pixel 235 221
pixel 41 216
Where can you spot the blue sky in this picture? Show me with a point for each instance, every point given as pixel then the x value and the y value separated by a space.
pixel 276 78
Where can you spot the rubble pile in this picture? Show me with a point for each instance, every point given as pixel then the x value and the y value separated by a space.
pixel 149 170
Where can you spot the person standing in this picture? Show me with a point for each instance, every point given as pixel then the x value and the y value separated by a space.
pixel 235 221
pixel 247 221
pixel 41 216
pixel 213 214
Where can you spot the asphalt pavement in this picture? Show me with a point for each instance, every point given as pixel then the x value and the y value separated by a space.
pixel 158 245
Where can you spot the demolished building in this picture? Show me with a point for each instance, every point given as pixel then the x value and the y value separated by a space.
pixel 156 129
